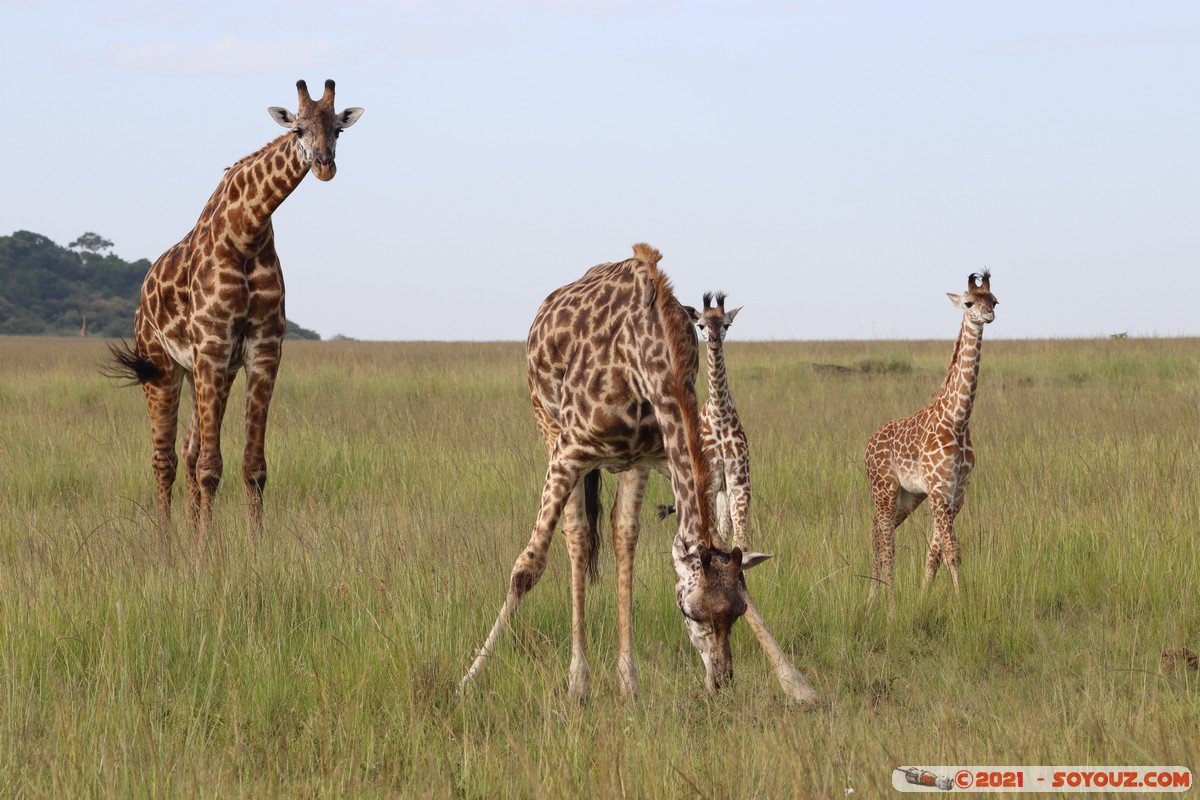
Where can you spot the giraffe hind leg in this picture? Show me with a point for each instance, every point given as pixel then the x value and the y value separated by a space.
pixel 577 531
pixel 162 405
pixel 626 524
pixel 883 542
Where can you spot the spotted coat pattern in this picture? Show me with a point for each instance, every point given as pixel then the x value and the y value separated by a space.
pixel 214 303
pixel 929 454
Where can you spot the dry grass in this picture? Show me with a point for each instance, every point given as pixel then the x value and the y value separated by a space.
pixel 322 661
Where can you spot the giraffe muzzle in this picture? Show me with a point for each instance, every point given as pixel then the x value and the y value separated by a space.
pixel 324 168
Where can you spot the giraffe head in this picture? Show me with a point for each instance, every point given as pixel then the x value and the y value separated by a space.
pixel 978 303
pixel 714 321
pixel 316 126
pixel 710 592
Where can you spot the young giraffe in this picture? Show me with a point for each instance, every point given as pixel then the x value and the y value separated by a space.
pixel 213 304
pixel 929 453
pixel 725 443
pixel 612 364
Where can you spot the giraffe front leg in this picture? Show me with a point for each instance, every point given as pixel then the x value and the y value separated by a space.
pixel 191 454
pixel 790 679
pixel 739 510
pixel 626 521
pixel 940 546
pixel 951 552
pixel 212 392
pixel 561 478
pixel 262 366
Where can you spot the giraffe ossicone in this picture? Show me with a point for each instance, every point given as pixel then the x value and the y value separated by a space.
pixel 612 361
pixel 214 303
pixel 929 454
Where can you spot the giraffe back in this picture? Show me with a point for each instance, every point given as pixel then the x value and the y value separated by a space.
pixel 590 359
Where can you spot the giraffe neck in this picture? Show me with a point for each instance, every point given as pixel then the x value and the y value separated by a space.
pixel 718 380
pixel 254 187
pixel 673 396
pixel 957 395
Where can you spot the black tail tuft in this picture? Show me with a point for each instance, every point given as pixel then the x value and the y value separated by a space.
pixel 591 506
pixel 127 365
pixel 665 511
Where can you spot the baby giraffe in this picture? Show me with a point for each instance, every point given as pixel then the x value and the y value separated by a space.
pixel 929 454
pixel 725 444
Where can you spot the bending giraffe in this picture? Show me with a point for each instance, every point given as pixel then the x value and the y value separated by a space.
pixel 612 362
pixel 929 453
pixel 213 304
pixel 725 443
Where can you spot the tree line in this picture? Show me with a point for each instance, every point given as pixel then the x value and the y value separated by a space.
pixel 50 290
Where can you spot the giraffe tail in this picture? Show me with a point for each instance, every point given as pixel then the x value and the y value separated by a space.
pixel 126 364
pixel 665 511
pixel 591 507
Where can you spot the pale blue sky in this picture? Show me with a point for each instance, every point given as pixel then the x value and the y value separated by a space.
pixel 836 167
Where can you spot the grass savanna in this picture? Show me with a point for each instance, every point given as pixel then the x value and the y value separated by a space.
pixel 323 659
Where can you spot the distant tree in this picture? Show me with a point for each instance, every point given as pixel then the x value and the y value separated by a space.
pixel 91 243
pixel 45 288
pixel 294 331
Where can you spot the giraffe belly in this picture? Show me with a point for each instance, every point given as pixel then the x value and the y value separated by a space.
pixel 912 482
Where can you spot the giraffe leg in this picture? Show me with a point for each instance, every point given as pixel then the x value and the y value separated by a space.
pixel 162 404
pixel 213 381
pixel 626 521
pixel 262 365
pixel 724 524
pixel 884 493
pixel 561 478
pixel 943 534
pixel 191 453
pixel 575 530
pixel 951 553
pixel 739 510
pixel 790 679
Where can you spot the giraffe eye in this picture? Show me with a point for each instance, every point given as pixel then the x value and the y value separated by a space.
pixel 968 304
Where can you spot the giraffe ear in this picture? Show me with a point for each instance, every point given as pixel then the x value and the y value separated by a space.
pixel 752 560
pixel 284 117
pixel 693 313
pixel 348 117
pixel 731 314
pixel 957 299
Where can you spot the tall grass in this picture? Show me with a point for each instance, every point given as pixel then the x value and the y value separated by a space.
pixel 322 660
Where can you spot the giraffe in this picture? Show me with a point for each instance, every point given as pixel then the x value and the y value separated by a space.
pixel 612 362
pixel 724 438
pixel 214 303
pixel 929 454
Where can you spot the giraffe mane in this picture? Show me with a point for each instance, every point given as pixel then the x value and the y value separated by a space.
pixel 258 152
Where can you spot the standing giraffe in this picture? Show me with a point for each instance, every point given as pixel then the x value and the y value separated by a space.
pixel 929 454
pixel 725 444
pixel 213 304
pixel 612 362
